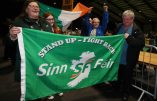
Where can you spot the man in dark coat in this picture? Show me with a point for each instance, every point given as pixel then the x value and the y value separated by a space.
pixel 129 57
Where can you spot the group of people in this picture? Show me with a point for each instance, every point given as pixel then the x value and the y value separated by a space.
pixel 134 38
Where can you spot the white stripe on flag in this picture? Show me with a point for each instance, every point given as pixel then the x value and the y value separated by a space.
pixel 23 65
pixel 67 17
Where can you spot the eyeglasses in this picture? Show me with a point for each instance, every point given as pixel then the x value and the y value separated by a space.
pixel 50 19
pixel 33 6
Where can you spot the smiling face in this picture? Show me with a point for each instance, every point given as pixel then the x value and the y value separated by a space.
pixel 96 22
pixel 127 21
pixel 33 10
pixel 128 18
pixel 50 19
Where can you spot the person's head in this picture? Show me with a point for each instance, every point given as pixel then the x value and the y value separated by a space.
pixel 31 9
pixel 49 18
pixel 128 18
pixel 95 22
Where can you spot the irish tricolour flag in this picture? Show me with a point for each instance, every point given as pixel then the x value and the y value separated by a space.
pixel 63 17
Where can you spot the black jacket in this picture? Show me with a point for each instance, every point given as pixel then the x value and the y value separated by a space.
pixel 136 42
pixel 24 22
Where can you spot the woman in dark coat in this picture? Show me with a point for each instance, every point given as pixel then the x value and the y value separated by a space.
pixel 29 18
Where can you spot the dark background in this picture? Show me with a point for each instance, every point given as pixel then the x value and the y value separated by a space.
pixel 145 12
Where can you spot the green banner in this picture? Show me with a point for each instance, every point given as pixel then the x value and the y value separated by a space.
pixel 54 63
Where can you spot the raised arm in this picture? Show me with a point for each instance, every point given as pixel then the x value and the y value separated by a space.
pixel 105 18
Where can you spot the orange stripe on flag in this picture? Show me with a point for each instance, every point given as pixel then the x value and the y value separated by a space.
pixel 81 7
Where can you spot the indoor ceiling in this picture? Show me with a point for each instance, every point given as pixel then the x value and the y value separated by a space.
pixel 145 10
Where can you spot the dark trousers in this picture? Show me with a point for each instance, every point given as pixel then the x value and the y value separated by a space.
pixel 125 77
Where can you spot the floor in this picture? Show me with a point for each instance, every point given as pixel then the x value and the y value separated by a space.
pixel 9 91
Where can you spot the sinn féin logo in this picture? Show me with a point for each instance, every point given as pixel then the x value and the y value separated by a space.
pixel 82 67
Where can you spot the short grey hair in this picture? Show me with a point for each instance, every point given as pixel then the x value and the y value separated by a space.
pixel 129 13
pixel 96 19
